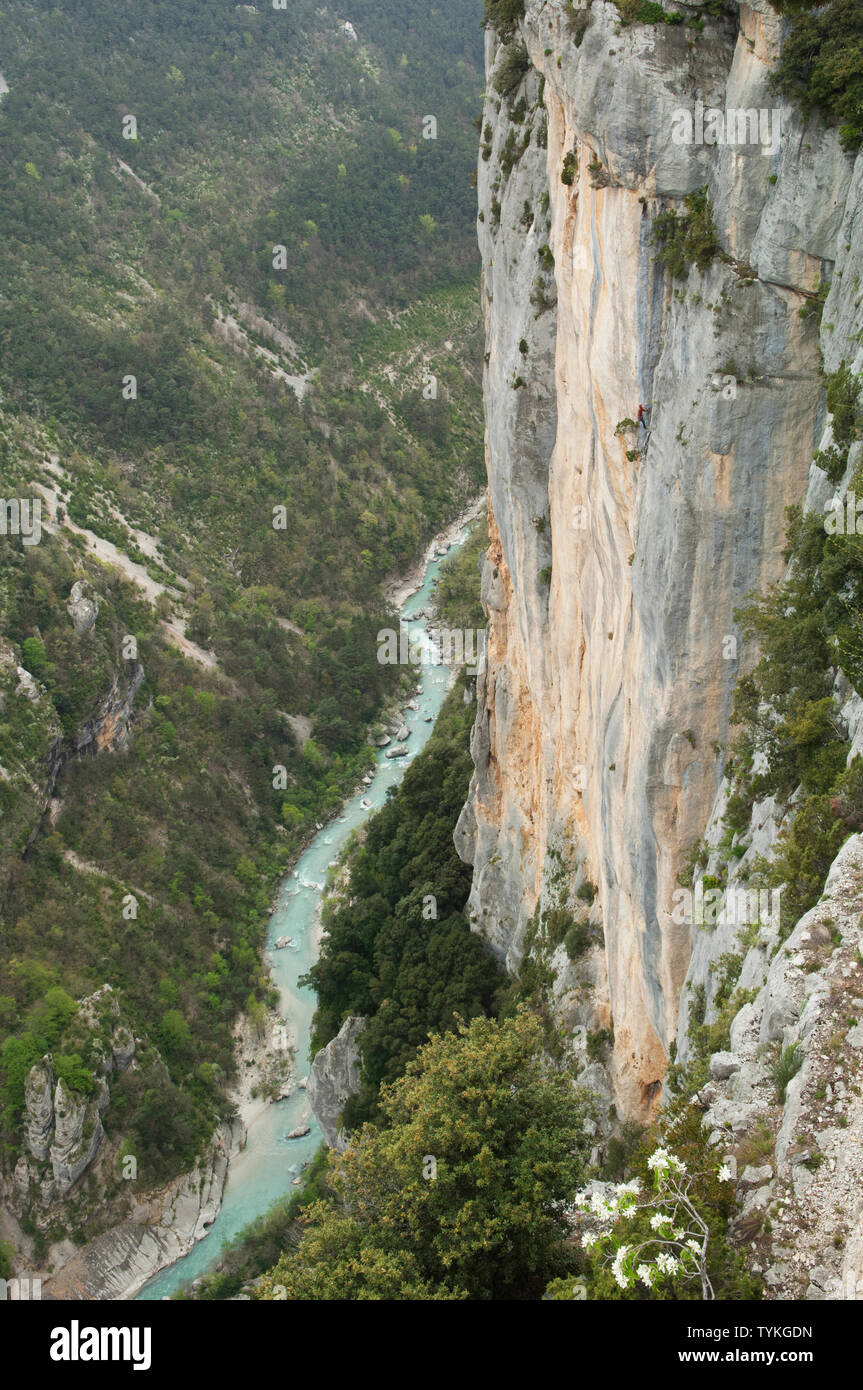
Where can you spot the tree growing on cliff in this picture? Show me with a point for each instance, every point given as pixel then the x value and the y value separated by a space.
pixel 462 1195
pixel 664 1233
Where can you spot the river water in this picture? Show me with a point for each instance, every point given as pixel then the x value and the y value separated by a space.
pixel 265 1169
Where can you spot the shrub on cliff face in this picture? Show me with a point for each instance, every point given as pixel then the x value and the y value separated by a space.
pixel 647 12
pixel 577 21
pixel 821 64
pixel 712 1202
pixel 843 388
pixel 687 238
pixel 502 15
pixel 512 70
pixel 462 1195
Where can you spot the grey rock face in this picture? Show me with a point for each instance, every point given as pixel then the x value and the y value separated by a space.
pixel 756 1177
pixel 160 1230
pixel 334 1077
pixel 617 559
pixel 122 1047
pixel 808 1167
pixel 723 1065
pixel 39 1108
pixel 83 607
pixel 77 1135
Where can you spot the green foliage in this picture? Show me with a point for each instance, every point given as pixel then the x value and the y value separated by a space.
pixel 786 1066
pixel 577 21
pixel 74 1075
pixel 174 1032
pixel 646 12
pixel 408 973
pixel 502 15
pixel 821 63
pixel 569 171
pixel 456 597
pixel 102 278
pixel 620 1151
pixel 688 238
pixel 509 1146
pixel 578 940
pixel 843 388
pixel 784 708
pixel 681 1129
pixel 512 69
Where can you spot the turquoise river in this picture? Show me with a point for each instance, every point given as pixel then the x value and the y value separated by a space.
pixel 265 1169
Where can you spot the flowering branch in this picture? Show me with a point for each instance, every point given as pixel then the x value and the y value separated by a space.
pixel 680 1244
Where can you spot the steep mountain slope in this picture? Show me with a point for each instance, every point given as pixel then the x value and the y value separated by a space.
pixel 231 266
pixel 624 266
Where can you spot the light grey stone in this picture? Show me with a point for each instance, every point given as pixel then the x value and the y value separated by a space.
pixel 334 1077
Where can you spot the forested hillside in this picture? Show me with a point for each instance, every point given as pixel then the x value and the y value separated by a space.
pixel 230 264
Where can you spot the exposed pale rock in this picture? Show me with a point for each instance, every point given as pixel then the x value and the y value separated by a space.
pixel 164 1226
pixel 83 607
pixel 39 1108
pixel 723 1065
pixel 756 1177
pixel 77 1135
pixel 122 1047
pixel 607 681
pixel 334 1077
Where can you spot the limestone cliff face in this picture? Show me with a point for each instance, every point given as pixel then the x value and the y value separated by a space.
pixel 617 559
pixel 334 1078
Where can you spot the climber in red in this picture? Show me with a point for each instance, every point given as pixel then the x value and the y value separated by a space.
pixel 643 412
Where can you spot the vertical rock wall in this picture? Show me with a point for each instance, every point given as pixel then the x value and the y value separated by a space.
pixel 611 581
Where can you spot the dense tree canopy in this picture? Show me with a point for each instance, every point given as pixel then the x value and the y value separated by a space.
pixel 461 1194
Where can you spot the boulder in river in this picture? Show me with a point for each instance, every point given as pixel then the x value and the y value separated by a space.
pixel 300 1132
pixel 401 752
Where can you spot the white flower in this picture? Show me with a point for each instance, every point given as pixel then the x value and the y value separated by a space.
pixel 725 1174
pixel 658 1159
pixel 617 1266
pixel 694 1246
pixel 588 1240
pixel 678 1234
pixel 645 1274
pixel 631 1210
pixel 633 1186
pixel 658 1220
pixel 668 1264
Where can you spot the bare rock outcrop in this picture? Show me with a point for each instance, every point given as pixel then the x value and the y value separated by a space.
pixel 83 607
pixel 78 1133
pixel 619 553
pixel 334 1077
pixel 801 1198
pixel 39 1108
